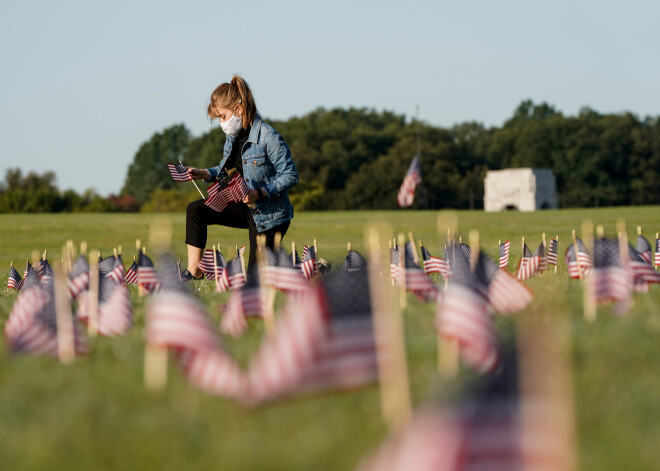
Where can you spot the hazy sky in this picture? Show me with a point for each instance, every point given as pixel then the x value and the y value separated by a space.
pixel 84 83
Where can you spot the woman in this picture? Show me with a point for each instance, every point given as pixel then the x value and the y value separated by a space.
pixel 262 157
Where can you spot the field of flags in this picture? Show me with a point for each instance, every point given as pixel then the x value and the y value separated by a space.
pixel 323 322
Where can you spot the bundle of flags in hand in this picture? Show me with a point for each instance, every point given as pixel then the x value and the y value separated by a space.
pixel 229 188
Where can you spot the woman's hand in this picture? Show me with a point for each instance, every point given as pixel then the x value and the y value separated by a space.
pixel 198 173
pixel 251 197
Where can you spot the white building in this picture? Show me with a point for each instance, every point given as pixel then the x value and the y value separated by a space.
pixel 524 189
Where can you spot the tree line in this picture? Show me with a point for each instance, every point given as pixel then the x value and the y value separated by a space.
pixel 357 158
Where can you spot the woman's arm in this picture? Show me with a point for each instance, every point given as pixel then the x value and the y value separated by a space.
pixel 198 173
pixel 286 173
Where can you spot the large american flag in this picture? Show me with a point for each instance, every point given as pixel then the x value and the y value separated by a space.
pixel 178 321
pixel 462 316
pixel 179 172
pixel 582 263
pixel 433 264
pixel 529 264
pixel 412 179
pixel 206 263
pixel 14 281
pixel 226 191
pixel 147 278
pixel 610 280
pixel 323 341
pixel 32 324
pixel 115 312
pixel 504 254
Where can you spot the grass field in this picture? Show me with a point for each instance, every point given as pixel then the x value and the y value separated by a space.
pixel 96 413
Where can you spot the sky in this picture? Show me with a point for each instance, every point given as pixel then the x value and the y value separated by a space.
pixel 84 83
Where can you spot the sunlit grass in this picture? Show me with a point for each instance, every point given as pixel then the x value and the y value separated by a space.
pixel 96 413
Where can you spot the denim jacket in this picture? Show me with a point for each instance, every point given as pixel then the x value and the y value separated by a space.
pixel 267 164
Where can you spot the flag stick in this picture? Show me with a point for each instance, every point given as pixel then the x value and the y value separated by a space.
pixel 402 271
pixel 66 350
pixel 266 306
pixel 155 367
pixel 600 232
pixel 590 309
pixel 348 246
pixel 557 254
pixel 215 265
pixel 474 249
pixel 639 230
pixel 242 257
pixel 447 349
pixel 414 248
pixel 69 254
pixel 193 181
pixel 293 253
pixel 545 250
pixel 93 296
pixel 392 280
pixel 389 336
pixel 624 253
pixel 83 248
pixel 316 251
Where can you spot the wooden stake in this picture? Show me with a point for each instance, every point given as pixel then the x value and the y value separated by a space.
pixel 639 230
pixel 83 248
pixel 474 249
pixel 447 349
pixel 93 297
pixel 390 339
pixel 557 239
pixel 348 246
pixel 215 265
pixel 242 257
pixel 414 248
pixel 545 250
pixel 402 270
pixel 66 349
pixel 600 232
pixel 155 367
pixel 589 295
pixel 293 253
pixel 69 254
pixel 577 258
pixel 266 304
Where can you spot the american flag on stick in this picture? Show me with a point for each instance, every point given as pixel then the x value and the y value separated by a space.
pixel 231 277
pixel 243 303
pixel 644 249
pixel 323 341
pixel 14 281
pixel 529 264
pixel 642 272
pixel 179 172
pixel 208 267
pixel 503 292
pixel 32 324
pixel 115 312
pixel 552 252
pixel 278 271
pixel 309 265
pixel 657 251
pixel 433 264
pixel 412 179
pixel 462 316
pixel 226 190
pixel 130 277
pixel 582 264
pixel 416 280
pixel 178 321
pixel 610 280
pixel 79 277
pixel 504 254
pixel 147 278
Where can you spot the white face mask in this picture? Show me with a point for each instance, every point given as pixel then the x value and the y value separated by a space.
pixel 232 126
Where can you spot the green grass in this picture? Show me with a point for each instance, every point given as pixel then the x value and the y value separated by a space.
pixel 96 413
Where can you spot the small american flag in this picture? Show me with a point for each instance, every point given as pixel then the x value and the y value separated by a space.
pixel 179 172
pixel 642 272
pixel 112 267
pixel 433 264
pixel 79 277
pixel 416 280
pixel 243 303
pixel 32 324
pixel 178 321
pixel 354 262
pixel 226 191
pixel 412 179
pixel 553 250
pixel 609 281
pixel 14 281
pixel 657 252
pixel 644 249
pixel 529 264
pixel 504 293
pixel 115 312
pixel 130 277
pixel 323 341
pixel 279 272
pixel 147 278
pixel 504 254
pixel 308 265
pixel 45 271
pixel 231 277
pixel 207 266
pixel 583 262
pixel 543 260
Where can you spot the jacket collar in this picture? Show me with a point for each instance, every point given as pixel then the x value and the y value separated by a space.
pixel 254 131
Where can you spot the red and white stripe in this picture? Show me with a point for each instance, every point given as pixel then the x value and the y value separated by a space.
pixel 130 277
pixel 462 316
pixel 528 267
pixel 283 278
pixel 504 257
pixel 207 266
pixel 507 295
pixel 176 176
pixel 235 191
pixel 115 315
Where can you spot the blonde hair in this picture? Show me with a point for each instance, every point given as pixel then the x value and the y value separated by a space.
pixel 230 95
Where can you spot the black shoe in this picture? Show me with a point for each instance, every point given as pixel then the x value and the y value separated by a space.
pixel 187 276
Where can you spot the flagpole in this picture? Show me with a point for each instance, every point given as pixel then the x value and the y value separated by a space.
pixel 557 254
pixel 590 309
pixel 66 349
pixel 191 179
pixel 389 336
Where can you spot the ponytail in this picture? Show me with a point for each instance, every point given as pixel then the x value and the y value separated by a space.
pixel 232 94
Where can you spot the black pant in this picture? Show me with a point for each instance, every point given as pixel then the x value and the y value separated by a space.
pixel 238 215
